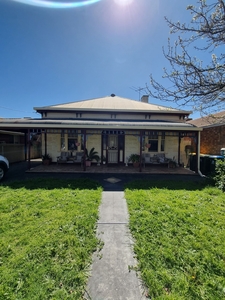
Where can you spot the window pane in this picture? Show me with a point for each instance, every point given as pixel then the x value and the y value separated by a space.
pixel 63 146
pixel 154 146
pixel 82 141
pixel 162 145
pixel 72 144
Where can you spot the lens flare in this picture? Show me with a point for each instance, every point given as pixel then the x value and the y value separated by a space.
pixel 54 4
pixel 123 2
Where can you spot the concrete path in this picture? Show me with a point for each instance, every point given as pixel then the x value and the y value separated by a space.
pixel 110 277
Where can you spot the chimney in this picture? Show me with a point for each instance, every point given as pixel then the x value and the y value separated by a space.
pixel 144 98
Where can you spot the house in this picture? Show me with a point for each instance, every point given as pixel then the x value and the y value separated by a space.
pixel 213 133
pixel 116 127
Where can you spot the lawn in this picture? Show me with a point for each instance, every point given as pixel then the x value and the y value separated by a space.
pixel 47 233
pixel 179 233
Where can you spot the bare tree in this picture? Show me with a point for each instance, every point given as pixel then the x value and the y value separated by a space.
pixel 190 80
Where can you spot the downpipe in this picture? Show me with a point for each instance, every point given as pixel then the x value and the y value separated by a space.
pixel 200 173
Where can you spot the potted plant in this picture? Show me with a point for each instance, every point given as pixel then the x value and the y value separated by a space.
pixel 98 161
pixel 90 156
pixel 46 159
pixel 103 159
pixel 135 159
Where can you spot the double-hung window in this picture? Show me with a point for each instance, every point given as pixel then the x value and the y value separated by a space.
pixel 156 140
pixel 72 140
pixel 153 141
pixel 69 140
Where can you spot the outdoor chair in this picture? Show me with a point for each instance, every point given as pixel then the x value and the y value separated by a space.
pixel 146 159
pixel 63 157
pixel 68 157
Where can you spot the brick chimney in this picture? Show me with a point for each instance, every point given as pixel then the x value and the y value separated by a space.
pixel 144 98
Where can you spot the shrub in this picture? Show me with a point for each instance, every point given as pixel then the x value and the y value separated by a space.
pixel 219 176
pixel 134 158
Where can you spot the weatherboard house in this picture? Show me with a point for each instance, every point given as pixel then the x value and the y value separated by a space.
pixel 116 127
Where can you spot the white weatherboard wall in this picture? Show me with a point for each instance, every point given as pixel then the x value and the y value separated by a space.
pixel 171 147
pixel 113 115
pixel 132 145
pixel 94 141
pixel 53 145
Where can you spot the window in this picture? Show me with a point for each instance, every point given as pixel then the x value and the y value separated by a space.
pixel 153 141
pixel 63 143
pixel 154 145
pixel 6 138
pixel 72 141
pixel 11 139
pixel 156 140
pixel 163 142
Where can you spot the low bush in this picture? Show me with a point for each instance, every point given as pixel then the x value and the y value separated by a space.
pixel 219 176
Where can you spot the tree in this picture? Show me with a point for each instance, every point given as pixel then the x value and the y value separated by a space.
pixel 198 83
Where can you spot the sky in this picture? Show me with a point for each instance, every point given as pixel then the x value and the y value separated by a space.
pixel 55 52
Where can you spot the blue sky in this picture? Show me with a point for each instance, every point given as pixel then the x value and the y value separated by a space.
pixel 51 55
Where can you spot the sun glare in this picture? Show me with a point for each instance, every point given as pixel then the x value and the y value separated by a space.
pixel 123 2
pixel 56 4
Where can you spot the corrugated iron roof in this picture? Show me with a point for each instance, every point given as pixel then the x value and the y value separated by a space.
pixel 90 124
pixel 110 103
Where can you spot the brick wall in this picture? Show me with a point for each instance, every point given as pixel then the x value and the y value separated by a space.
pixel 212 140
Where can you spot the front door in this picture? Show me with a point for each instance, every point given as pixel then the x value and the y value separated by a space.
pixel 113 146
pixel 112 149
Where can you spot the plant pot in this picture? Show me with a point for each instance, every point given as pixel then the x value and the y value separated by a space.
pixel 172 164
pixel 46 161
pixel 136 164
pixel 88 163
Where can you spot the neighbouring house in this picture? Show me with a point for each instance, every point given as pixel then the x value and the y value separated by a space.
pixel 212 134
pixel 116 127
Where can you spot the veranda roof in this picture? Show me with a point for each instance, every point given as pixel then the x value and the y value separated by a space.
pixel 19 124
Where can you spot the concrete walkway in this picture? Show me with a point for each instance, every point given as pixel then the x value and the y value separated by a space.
pixel 110 277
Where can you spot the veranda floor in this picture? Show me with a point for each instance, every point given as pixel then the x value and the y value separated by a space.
pixel 77 168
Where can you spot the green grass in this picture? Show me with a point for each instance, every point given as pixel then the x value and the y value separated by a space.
pixel 179 233
pixel 47 231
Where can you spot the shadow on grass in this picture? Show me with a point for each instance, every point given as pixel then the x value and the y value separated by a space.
pixel 54 183
pixel 170 184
